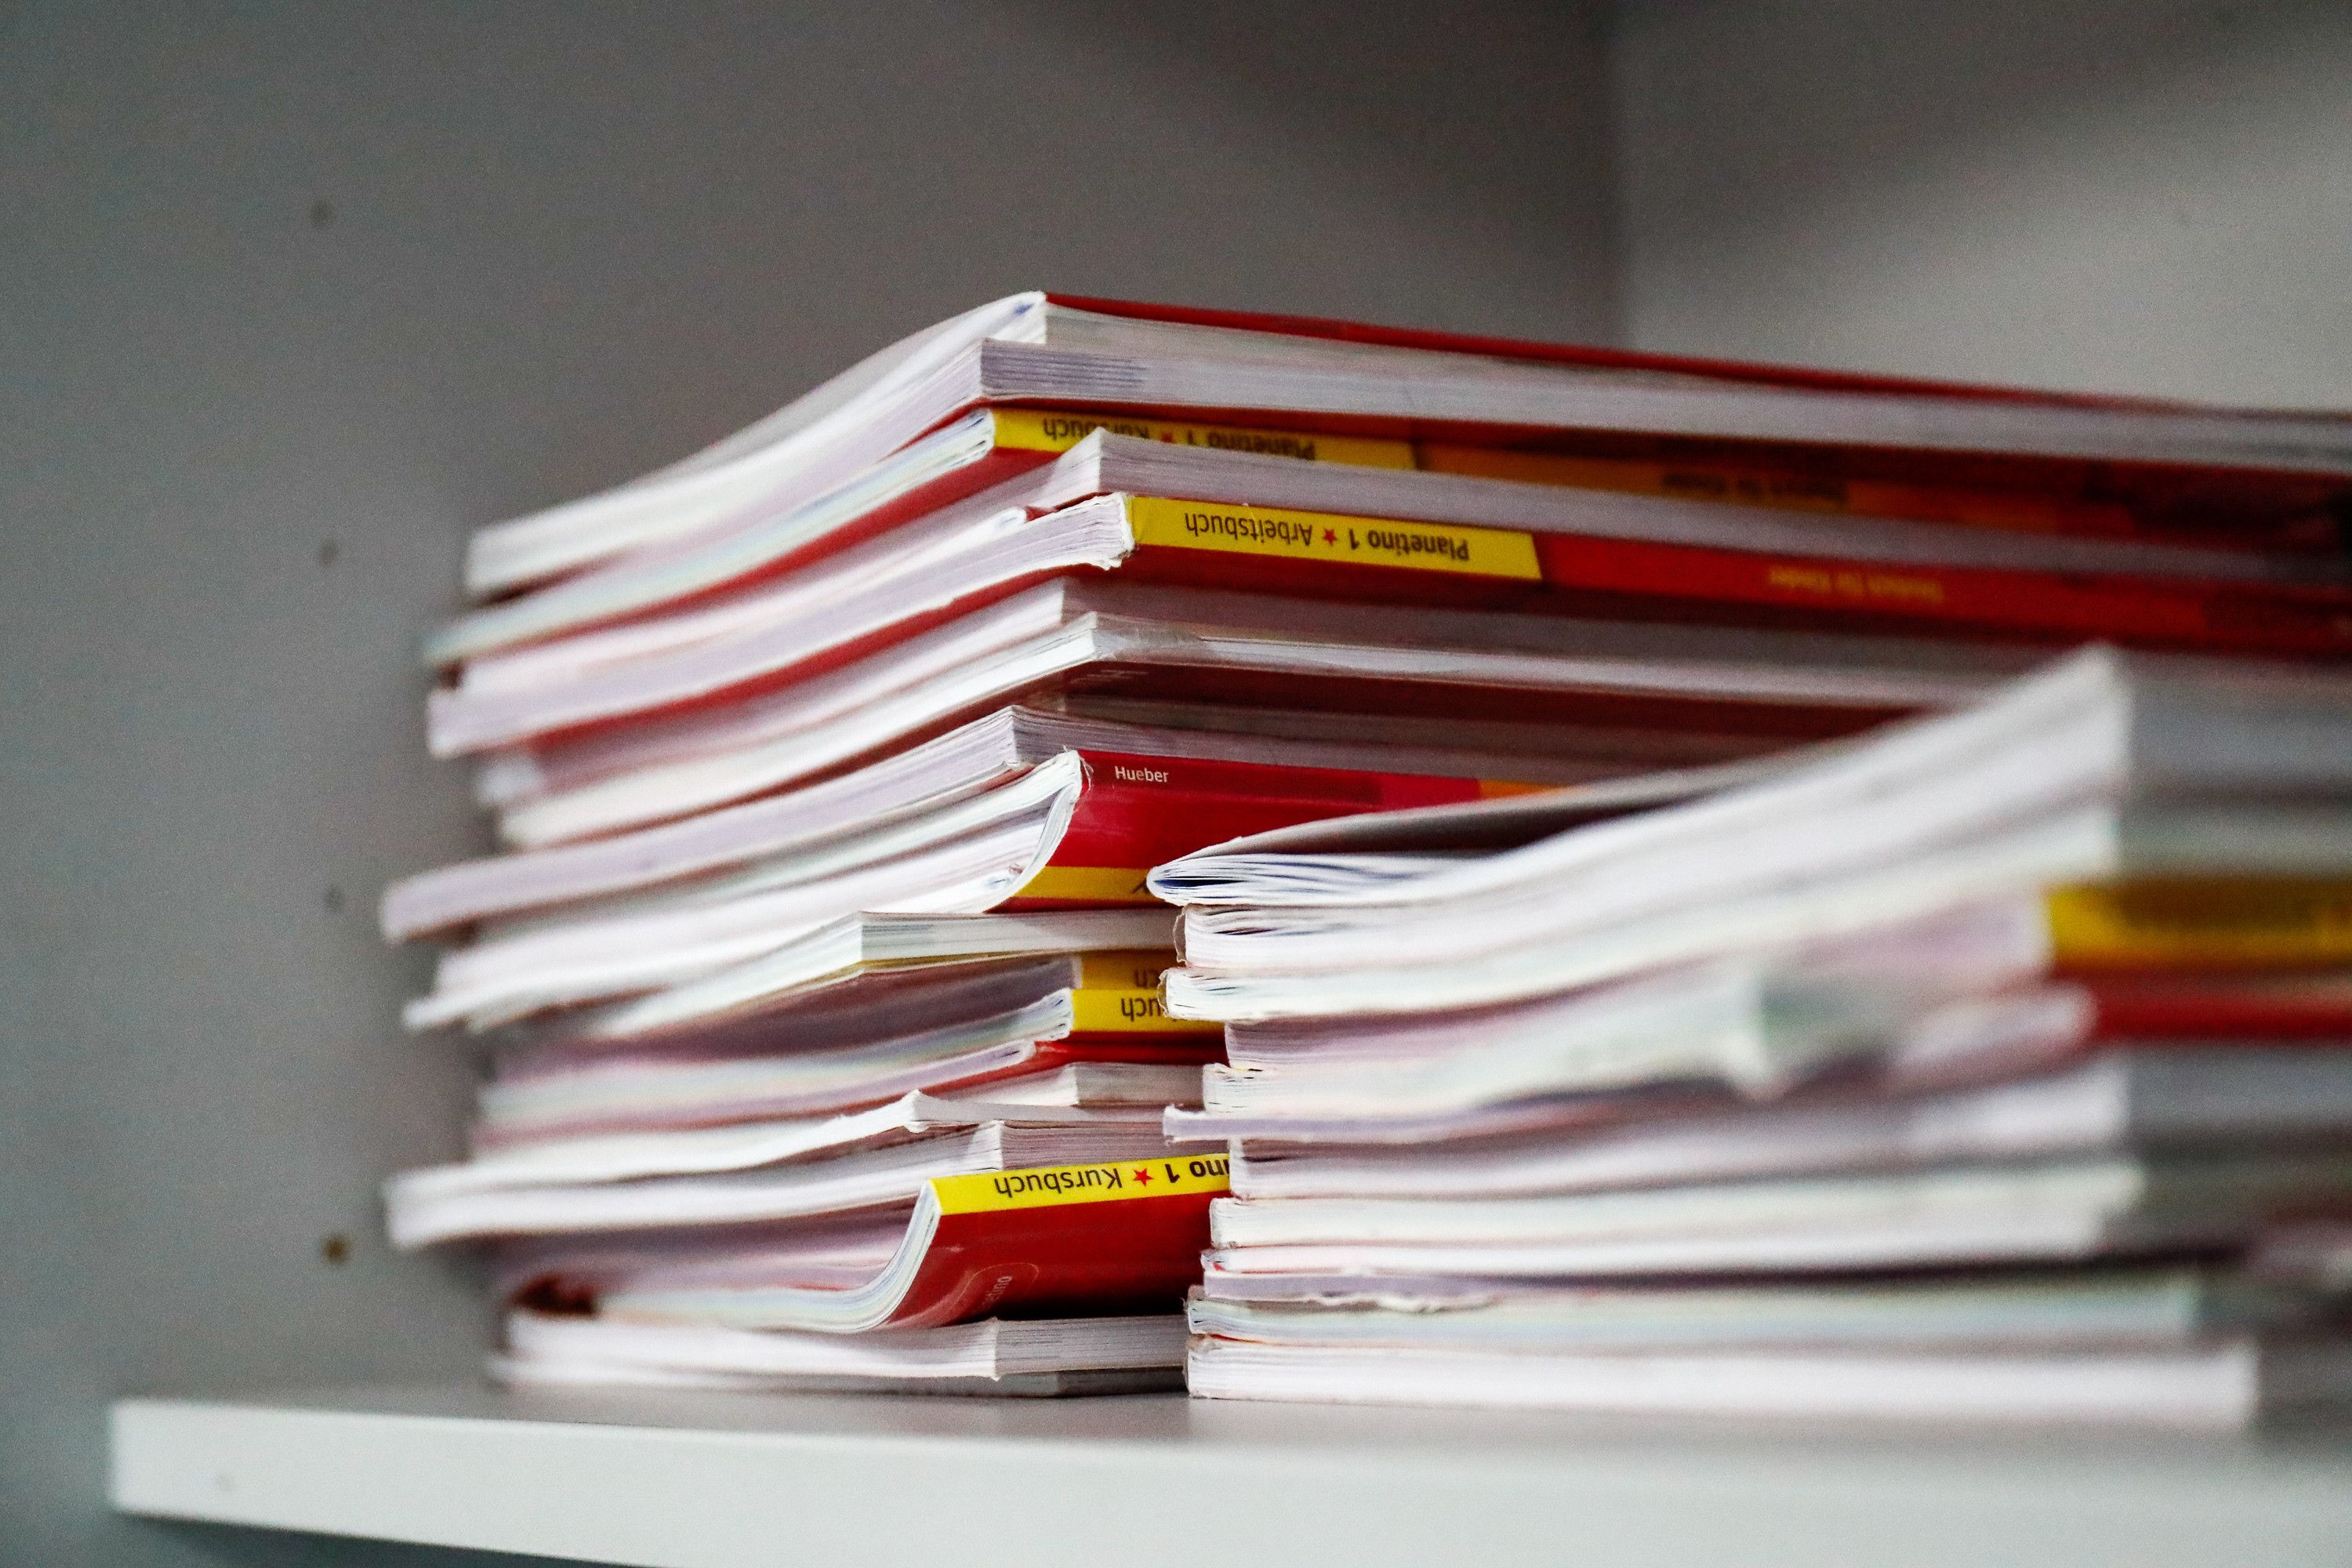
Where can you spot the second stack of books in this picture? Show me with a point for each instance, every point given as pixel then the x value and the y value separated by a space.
pixel 2000 1066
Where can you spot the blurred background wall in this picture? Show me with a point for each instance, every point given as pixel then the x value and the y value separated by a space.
pixel 291 296
pixel 2141 196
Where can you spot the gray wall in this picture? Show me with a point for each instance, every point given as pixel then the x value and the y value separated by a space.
pixel 2143 195
pixel 291 296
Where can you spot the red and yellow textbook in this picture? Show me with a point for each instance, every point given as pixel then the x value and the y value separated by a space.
pixel 1327 555
pixel 1096 1239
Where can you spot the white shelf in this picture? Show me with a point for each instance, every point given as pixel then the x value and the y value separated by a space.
pixel 719 1482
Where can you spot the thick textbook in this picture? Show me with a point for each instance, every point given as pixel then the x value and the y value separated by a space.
pixel 2275 472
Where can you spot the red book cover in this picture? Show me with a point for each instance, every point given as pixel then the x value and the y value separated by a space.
pixel 1098 1240
pixel 1068 1240
pixel 2261 1009
pixel 1135 811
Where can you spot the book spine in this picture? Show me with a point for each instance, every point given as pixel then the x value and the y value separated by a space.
pixel 2137 610
pixel 1713 479
pixel 1337 556
pixel 2082 500
pixel 2194 922
pixel 1136 812
pixel 2261 1009
pixel 1070 1186
pixel 1119 995
pixel 1066 1239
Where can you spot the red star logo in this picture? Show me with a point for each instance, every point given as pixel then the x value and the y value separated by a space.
pixel 1142 1176
pixel 1330 536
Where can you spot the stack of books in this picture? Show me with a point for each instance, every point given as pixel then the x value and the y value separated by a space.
pixel 830 763
pixel 1996 1065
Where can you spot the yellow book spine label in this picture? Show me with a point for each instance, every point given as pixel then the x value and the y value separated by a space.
pixel 1058 430
pixel 2248 923
pixel 1119 994
pixel 1330 536
pixel 1089 884
pixel 1052 1187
